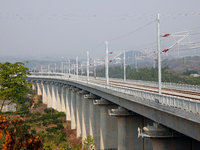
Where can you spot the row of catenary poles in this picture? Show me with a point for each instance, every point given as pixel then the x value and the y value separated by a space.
pixel 89 116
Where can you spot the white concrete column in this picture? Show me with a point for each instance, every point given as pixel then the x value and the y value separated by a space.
pixel 108 125
pixel 78 113
pixel 49 95
pixel 94 121
pixel 128 123
pixel 68 103
pixel 73 108
pixel 58 98
pixel 39 88
pixel 44 93
pixel 63 99
pixel 85 118
pixel 79 99
pixel 92 115
pixel 34 86
pixel 53 96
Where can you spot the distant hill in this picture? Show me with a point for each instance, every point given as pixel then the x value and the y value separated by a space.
pixel 37 64
pixel 175 64
pixel 183 64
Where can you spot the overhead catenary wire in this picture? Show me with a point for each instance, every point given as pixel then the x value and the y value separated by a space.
pixel 121 36
pixel 130 32
pixel 146 46
pixel 90 17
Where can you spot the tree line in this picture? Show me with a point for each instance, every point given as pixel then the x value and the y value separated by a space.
pixel 151 74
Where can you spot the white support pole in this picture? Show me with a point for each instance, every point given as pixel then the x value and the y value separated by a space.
pixel 159 58
pixel 48 69
pixel 41 70
pixel 88 65
pixel 124 66
pixel 77 68
pixel 74 68
pixel 62 68
pixel 135 62
pixel 105 67
pixel 81 69
pixel 107 77
pixel 69 67
pixel 94 69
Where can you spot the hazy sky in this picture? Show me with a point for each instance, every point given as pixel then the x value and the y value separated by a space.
pixel 68 28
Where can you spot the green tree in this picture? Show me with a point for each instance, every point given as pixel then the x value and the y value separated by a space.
pixel 12 87
pixel 33 131
pixel 59 127
pixel 188 72
pixel 88 143
pixel 24 108
pixel 12 81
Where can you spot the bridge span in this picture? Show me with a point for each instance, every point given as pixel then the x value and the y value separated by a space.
pixel 125 115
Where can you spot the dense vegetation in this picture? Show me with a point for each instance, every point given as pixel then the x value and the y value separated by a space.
pixel 13 132
pixel 46 123
pixel 183 64
pixel 151 74
pixel 32 126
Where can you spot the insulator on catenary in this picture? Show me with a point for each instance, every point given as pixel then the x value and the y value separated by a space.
pixel 165 50
pixel 90 58
pixel 122 63
pixel 110 52
pixel 156 59
pixel 90 64
pixel 110 61
pixel 166 35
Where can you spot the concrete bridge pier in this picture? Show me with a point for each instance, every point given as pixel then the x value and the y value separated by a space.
pixel 92 114
pixel 53 100
pixel 108 125
pixel 68 103
pixel 96 123
pixel 163 138
pixel 49 92
pixel 63 99
pixel 78 114
pixel 44 94
pixel 34 86
pixel 73 107
pixel 58 98
pixel 39 88
pixel 85 118
pixel 128 123
pixel 79 100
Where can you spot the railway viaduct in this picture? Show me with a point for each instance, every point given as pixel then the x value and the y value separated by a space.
pixel 120 117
